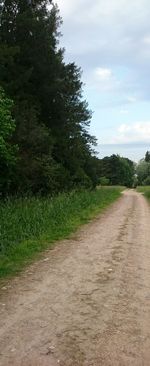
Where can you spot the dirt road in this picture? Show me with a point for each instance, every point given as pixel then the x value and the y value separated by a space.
pixel 87 301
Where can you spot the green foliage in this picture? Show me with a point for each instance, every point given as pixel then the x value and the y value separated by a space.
pixel 147 157
pixel 146 182
pixel 52 119
pixel 104 181
pixel 147 193
pixel 8 151
pixel 118 170
pixel 145 190
pixel 30 225
pixel 143 172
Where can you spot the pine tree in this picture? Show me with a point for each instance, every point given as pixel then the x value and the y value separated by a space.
pixel 22 25
pixel 52 119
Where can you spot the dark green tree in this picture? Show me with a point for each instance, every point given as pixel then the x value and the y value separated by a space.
pixel 72 118
pixel 143 172
pixel 22 61
pixel 8 152
pixel 147 157
pixel 118 170
pixel 51 117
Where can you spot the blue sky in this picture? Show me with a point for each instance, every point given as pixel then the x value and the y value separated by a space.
pixel 110 40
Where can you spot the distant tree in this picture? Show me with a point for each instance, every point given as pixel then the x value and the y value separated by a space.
pixel 118 170
pixel 128 172
pixel 8 151
pixel 143 172
pixel 147 156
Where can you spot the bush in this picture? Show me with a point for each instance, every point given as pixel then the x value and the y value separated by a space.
pixel 7 150
pixel 146 181
pixel 104 181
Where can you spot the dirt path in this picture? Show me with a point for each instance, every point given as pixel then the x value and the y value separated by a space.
pixel 87 302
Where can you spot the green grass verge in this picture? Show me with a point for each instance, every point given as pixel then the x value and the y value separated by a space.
pixel 29 226
pixel 145 190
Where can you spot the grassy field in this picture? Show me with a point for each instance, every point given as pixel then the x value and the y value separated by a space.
pixel 145 190
pixel 28 226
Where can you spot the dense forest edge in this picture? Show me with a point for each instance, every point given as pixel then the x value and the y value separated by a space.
pixel 45 144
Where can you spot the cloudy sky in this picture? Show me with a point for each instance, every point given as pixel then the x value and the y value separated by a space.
pixel 110 40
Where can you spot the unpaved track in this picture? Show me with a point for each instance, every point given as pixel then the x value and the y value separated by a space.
pixel 87 302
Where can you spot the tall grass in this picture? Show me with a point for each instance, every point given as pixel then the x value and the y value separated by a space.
pixel 28 226
pixel 145 190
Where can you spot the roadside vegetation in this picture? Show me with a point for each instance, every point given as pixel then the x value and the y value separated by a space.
pixel 143 171
pixel 28 226
pixel 145 190
pixel 143 175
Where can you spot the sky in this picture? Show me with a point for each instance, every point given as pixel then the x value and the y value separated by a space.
pixel 110 41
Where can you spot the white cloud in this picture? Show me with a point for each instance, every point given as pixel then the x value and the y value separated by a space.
pixel 102 79
pixel 112 33
pixel 75 8
pixel 134 132
pixel 103 73
pixel 131 99
pixel 124 111
pixel 146 40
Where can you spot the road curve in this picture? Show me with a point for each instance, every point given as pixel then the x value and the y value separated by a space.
pixel 87 301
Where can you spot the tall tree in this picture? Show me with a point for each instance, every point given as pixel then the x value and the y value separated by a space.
pixel 47 94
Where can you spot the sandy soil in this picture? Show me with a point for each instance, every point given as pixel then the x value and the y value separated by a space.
pixel 87 301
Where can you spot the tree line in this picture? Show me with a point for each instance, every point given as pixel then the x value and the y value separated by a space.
pixel 143 170
pixel 50 148
pixel 45 144
pixel 116 170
